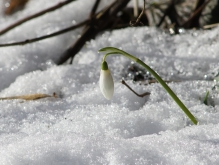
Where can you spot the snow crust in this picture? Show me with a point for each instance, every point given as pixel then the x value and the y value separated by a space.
pixel 81 126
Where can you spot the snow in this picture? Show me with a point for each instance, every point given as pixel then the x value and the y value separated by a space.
pixel 81 126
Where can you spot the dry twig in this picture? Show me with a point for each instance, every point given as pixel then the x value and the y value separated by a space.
pixel 193 20
pixel 210 26
pixel 137 22
pixel 29 97
pixel 102 21
pixel 28 41
pixel 139 95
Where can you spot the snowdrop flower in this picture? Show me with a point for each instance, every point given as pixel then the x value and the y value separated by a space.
pixel 106 81
pixel 107 86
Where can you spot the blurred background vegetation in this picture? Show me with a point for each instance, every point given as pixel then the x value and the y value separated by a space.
pixel 162 13
pixel 171 15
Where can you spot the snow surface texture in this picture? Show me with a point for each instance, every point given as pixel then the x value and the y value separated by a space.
pixel 81 127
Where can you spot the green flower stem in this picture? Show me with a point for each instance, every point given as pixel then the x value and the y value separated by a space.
pixel 113 50
pixel 117 51
pixel 206 98
pixel 167 88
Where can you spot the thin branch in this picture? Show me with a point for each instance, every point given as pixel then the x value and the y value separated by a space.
pixel 137 22
pixel 142 12
pixel 139 95
pixel 59 5
pixel 29 97
pixel 28 41
pixel 92 17
pixel 195 14
pixel 93 11
pixel 210 26
pixel 135 8
pixel 101 22
pixel 92 14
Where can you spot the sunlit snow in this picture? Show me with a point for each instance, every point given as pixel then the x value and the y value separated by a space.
pixel 81 126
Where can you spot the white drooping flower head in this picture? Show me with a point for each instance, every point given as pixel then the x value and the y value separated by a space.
pixel 106 81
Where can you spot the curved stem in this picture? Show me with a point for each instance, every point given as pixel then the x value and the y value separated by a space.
pixel 117 51
pixel 113 50
pixel 172 94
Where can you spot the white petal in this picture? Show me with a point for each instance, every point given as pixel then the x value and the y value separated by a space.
pixel 106 84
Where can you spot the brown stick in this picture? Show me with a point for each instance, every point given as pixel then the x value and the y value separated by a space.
pixel 29 97
pixel 139 95
pixel 195 14
pixel 137 22
pixel 92 16
pixel 59 5
pixel 142 12
pixel 210 26
pixel 93 11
